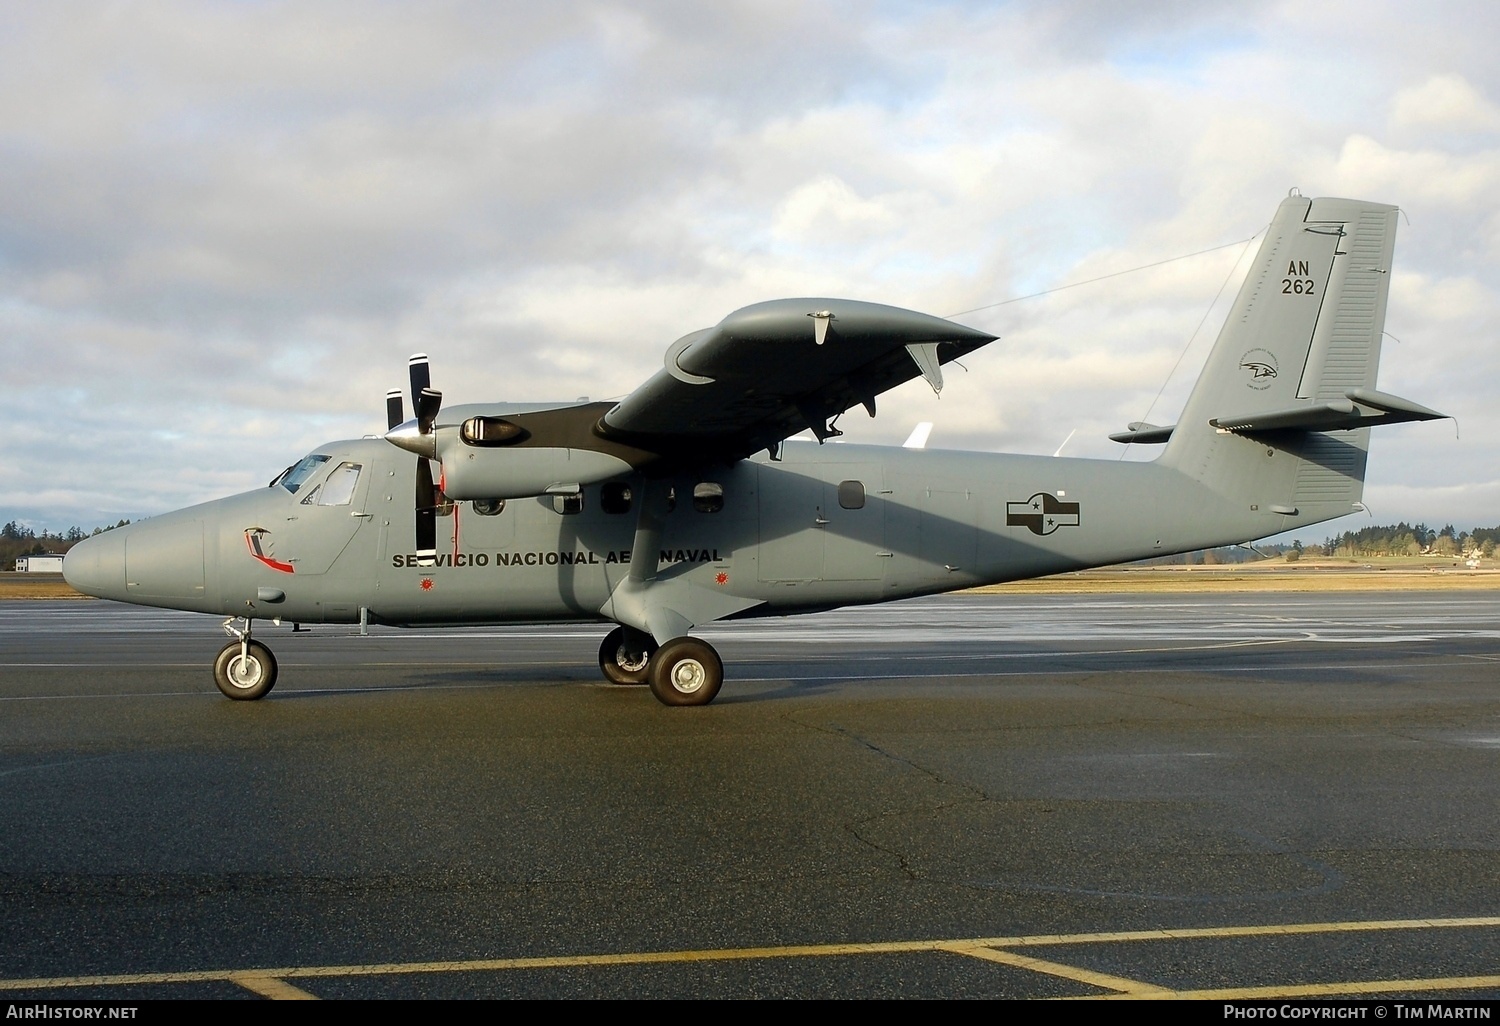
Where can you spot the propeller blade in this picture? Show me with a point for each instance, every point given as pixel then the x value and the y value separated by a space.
pixel 394 409
pixel 426 515
pixel 421 377
pixel 427 404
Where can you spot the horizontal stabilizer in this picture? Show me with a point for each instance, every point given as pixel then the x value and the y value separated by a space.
pixel 1140 431
pixel 1360 408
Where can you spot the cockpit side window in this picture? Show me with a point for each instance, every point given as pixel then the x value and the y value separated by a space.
pixel 297 474
pixel 338 490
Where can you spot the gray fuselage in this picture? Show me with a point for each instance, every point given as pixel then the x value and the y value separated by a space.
pixel 781 541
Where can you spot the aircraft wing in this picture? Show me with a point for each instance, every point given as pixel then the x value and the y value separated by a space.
pixel 769 371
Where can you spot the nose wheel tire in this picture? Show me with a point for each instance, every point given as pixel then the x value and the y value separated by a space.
pixel 685 671
pixel 625 656
pixel 245 676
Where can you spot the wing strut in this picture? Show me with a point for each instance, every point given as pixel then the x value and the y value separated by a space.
pixel 663 608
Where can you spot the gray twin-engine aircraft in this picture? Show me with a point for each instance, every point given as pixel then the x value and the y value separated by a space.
pixel 689 502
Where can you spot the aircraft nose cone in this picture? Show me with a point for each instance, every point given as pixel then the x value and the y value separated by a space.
pixel 96 566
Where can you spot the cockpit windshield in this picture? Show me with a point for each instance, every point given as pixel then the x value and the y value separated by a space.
pixel 298 473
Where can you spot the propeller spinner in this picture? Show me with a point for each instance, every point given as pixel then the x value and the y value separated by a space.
pixel 416 435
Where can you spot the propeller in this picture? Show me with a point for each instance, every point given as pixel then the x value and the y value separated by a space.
pixel 426 514
pixel 417 436
pixel 425 402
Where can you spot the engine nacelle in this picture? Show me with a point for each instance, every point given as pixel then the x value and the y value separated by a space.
pixel 521 471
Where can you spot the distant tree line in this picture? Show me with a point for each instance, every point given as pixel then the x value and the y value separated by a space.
pixel 1401 539
pixel 1405 539
pixel 16 540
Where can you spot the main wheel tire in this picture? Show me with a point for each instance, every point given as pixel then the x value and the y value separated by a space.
pixel 686 671
pixel 619 664
pixel 246 677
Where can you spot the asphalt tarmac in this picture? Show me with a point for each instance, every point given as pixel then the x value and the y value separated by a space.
pixel 970 796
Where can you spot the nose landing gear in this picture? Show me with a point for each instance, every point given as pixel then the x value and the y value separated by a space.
pixel 244 669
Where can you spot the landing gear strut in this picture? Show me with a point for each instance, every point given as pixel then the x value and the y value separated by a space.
pixel 625 655
pixel 244 670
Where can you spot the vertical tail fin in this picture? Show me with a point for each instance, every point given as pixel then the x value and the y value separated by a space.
pixel 1304 333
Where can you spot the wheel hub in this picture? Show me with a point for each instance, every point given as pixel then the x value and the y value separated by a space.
pixel 632 663
pixel 244 673
pixel 688 675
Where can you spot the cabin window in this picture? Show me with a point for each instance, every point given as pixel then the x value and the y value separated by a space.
pixel 296 475
pixel 338 490
pixel 615 497
pixel 567 505
pixel 489 507
pixel 852 494
pixel 708 497
pixel 488 431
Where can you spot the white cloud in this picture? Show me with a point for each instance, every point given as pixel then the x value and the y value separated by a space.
pixel 1444 102
pixel 1366 167
pixel 826 210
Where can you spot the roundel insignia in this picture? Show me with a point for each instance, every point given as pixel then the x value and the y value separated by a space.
pixel 1043 513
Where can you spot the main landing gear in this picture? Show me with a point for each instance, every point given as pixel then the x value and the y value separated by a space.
pixel 684 671
pixel 244 669
pixel 625 655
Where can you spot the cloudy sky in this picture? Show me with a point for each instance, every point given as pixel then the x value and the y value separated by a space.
pixel 223 227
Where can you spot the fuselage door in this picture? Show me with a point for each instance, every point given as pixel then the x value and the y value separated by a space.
pixel 822 522
pixel 791 522
pixel 853 509
pixel 326 516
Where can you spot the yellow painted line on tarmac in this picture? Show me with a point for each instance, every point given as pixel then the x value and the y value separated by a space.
pixel 271 987
pixel 482 965
pixel 1221 932
pixel 1323 990
pixel 979 947
pixel 1134 988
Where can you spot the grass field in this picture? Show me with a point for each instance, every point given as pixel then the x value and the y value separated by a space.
pixel 1374 574
pixel 1396 573
pixel 36 586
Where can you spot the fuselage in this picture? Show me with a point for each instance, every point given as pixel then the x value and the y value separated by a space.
pixel 824 526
